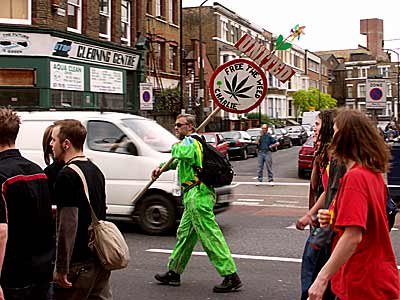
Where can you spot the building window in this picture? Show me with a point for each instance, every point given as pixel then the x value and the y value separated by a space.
pixel 15 11
pixel 349 73
pixel 224 30
pixel 173 58
pixel 363 72
pixel 126 22
pixel 384 71
pixel 225 58
pixel 173 11
pixel 105 19
pixel 74 15
pixel 361 90
pixel 349 91
pixel 160 8
pixel 160 54
pixel 149 7
pixel 389 89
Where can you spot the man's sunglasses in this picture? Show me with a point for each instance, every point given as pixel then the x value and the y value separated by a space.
pixel 179 125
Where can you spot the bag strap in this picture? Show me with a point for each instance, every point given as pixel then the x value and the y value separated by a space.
pixel 85 187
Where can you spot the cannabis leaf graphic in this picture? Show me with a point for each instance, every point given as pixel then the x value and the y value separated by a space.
pixel 237 91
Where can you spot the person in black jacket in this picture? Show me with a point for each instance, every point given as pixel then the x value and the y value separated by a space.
pixel 78 273
pixel 26 224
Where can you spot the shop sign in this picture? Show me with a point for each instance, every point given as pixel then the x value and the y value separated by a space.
pixel 36 44
pixel 106 81
pixel 90 53
pixel 15 43
pixel 146 96
pixel 66 76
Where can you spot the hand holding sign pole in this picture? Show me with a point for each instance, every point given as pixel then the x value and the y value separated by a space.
pixel 237 86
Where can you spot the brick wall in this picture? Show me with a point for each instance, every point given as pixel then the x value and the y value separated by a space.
pixel 44 14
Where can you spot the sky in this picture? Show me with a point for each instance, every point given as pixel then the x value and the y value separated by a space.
pixel 330 25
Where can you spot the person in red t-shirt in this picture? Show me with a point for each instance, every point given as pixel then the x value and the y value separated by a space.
pixel 362 265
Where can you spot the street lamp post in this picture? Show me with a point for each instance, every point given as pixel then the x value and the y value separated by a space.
pixel 201 75
pixel 398 81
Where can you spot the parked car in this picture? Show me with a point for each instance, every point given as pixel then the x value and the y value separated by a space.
pixel 218 141
pixel 305 160
pixel 240 144
pixel 282 136
pixel 309 129
pixel 146 144
pixel 297 133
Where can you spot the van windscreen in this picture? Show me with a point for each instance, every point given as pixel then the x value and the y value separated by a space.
pixel 154 135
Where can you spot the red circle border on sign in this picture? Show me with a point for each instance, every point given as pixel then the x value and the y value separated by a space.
pixel 227 64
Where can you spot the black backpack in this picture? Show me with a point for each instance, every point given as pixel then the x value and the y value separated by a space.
pixel 217 170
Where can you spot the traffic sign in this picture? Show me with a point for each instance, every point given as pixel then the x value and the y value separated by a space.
pixel 146 96
pixel 375 97
pixel 238 86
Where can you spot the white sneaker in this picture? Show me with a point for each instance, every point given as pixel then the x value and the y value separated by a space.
pixel 271 183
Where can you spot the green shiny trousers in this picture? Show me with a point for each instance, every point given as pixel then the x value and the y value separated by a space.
pixel 198 222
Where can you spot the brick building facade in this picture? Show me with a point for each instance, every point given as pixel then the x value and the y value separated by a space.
pixel 70 54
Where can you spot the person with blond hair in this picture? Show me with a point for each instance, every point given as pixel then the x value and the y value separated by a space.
pixel 362 264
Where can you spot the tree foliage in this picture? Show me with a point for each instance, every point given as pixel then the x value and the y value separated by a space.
pixel 312 99
pixel 168 100
pixel 264 119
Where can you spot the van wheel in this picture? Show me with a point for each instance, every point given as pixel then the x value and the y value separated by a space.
pixel 157 214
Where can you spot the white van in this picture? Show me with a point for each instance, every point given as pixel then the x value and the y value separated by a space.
pixel 127 168
pixel 309 117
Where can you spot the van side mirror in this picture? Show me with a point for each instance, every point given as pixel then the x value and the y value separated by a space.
pixel 131 149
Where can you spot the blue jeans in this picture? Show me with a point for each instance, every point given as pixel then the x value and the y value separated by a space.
pixel 264 157
pixel 29 292
pixel 312 262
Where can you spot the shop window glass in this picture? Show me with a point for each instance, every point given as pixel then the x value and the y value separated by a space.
pixel 66 99
pixel 20 97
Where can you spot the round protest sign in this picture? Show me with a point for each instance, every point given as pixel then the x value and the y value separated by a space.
pixel 238 86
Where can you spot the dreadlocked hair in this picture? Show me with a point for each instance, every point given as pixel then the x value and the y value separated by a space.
pixel 325 135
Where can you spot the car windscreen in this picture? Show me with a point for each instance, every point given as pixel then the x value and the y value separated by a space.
pixel 231 135
pixel 210 138
pixel 154 135
pixel 280 131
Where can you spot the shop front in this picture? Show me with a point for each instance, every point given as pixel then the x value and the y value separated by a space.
pixel 43 70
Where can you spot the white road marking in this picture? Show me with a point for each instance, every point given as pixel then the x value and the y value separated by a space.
pixel 268 205
pixel 243 256
pixel 286 201
pixel 250 200
pixel 272 183
pixel 293 226
pixel 246 203
pixel 271 196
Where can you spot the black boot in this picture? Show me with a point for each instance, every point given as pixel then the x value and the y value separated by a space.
pixel 170 278
pixel 231 283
